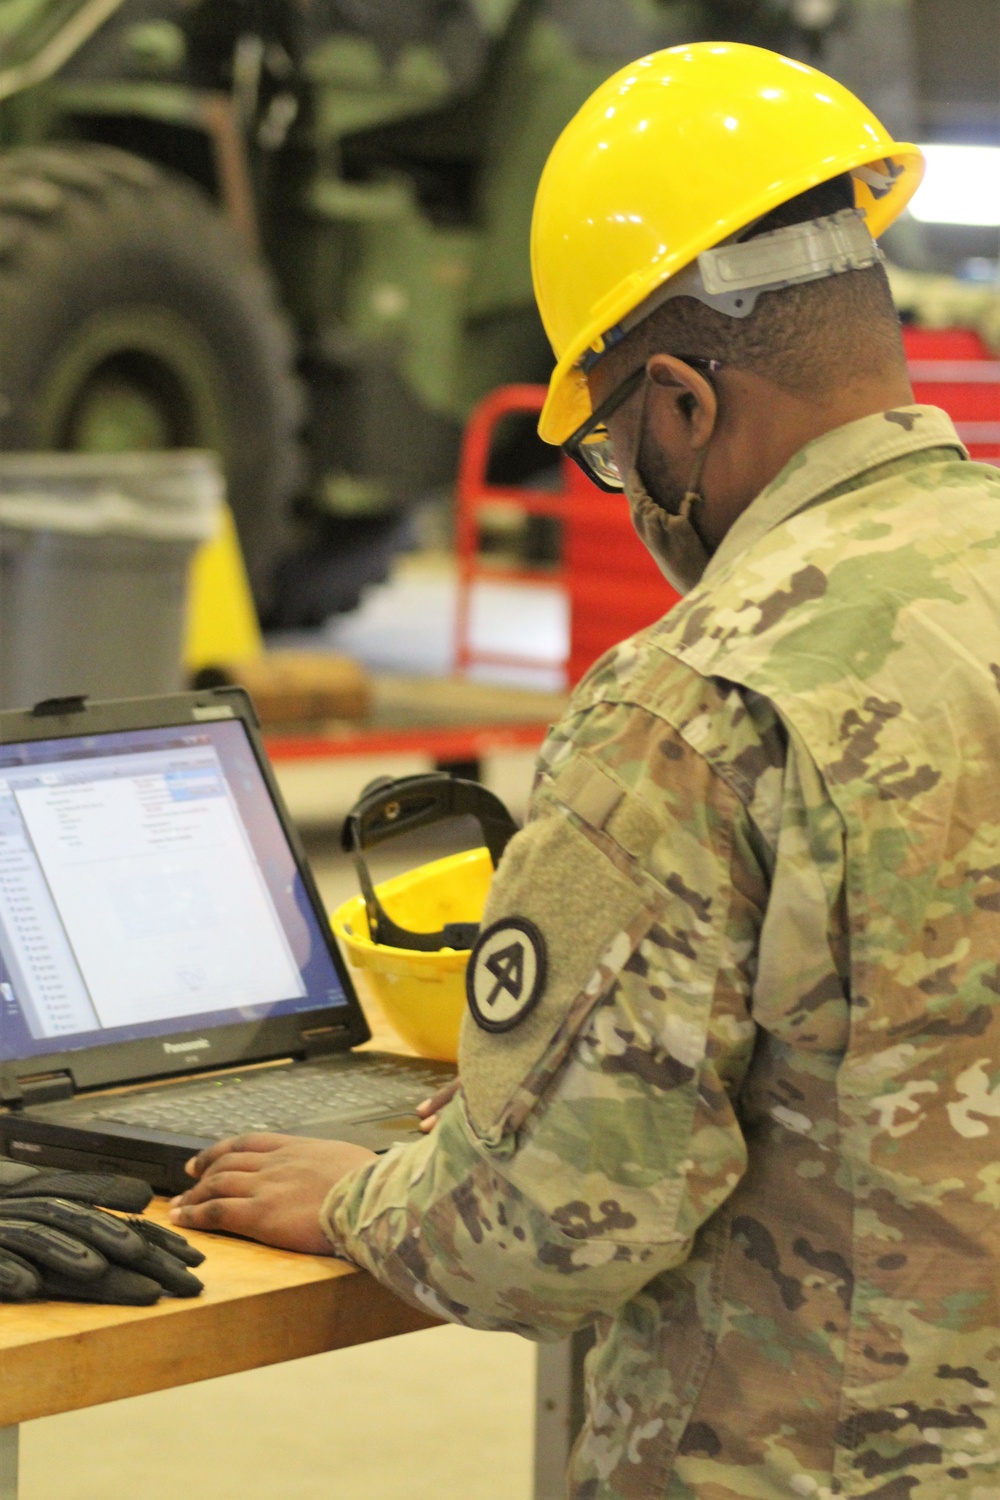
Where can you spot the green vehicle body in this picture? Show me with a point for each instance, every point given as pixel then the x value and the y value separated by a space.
pixel 378 158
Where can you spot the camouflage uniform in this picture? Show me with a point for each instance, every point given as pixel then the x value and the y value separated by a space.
pixel 751 1129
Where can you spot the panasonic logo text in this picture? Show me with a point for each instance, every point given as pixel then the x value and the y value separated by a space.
pixel 198 1046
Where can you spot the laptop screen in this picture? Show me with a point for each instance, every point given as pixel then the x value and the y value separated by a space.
pixel 147 887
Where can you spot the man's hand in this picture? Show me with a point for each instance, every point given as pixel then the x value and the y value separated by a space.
pixel 268 1187
pixel 430 1109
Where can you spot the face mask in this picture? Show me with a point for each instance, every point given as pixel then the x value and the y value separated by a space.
pixel 679 551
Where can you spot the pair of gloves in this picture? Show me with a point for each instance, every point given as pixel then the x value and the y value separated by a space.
pixel 55 1242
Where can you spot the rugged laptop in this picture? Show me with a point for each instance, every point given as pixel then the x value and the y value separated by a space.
pixel 167 971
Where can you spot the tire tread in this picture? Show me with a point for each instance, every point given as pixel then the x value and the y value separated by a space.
pixel 75 193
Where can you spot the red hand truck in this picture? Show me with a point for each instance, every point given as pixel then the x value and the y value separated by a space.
pixel 613 585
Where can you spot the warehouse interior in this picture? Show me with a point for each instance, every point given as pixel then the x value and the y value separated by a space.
pixel 270 374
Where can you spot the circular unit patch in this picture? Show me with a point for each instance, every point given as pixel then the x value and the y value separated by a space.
pixel 506 973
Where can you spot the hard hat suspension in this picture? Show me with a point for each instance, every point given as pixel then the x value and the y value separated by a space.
pixel 730 278
pixel 388 808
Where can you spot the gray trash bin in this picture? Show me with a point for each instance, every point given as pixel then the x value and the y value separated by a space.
pixel 95 552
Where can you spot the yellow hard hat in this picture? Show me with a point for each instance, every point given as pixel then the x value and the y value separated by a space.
pixel 407 941
pixel 668 159
pixel 420 993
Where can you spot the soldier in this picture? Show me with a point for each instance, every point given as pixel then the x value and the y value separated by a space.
pixel 729 1079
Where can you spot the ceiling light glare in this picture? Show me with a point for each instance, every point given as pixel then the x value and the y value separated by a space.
pixel 962 186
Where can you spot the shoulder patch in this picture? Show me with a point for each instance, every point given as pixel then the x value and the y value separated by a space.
pixel 506 974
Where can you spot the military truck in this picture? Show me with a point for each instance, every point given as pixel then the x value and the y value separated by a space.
pixel 295 231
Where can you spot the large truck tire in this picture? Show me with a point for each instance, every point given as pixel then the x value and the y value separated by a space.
pixel 133 316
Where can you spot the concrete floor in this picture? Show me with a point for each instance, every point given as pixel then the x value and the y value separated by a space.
pixel 408 624
pixel 440 1415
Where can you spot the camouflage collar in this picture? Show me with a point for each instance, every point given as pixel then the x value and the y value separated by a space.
pixel 827 463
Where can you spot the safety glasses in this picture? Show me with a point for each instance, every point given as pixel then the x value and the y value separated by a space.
pixel 590 445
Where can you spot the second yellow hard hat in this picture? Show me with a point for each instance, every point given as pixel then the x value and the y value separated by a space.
pixel 669 158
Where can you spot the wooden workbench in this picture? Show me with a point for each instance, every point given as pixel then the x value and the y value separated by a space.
pixel 259 1307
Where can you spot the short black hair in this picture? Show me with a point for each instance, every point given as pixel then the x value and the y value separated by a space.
pixel 809 338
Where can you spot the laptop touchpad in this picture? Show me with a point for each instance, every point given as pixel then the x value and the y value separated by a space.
pixel 378 1134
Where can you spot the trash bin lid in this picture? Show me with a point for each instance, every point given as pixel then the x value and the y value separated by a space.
pixel 175 495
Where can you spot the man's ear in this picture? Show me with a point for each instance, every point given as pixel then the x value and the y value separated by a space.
pixel 688 397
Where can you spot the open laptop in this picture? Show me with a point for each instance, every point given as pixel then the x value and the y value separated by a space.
pixel 167 971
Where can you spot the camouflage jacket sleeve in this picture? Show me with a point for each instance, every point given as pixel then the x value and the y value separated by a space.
pixel 592 1138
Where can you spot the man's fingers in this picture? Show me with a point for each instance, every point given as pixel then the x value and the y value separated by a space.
pixel 236 1161
pixel 228 1183
pixel 437 1102
pixel 233 1215
pixel 428 1123
pixel 263 1141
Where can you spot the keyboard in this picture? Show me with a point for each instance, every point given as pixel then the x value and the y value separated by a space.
pixel 279 1098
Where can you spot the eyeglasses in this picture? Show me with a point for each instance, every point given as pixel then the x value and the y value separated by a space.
pixel 590 445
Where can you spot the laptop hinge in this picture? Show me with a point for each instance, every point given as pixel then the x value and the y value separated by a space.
pixel 40 1088
pixel 323 1039
pixel 55 708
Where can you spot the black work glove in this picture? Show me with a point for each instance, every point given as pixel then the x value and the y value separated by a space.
pixel 53 1248
pixel 100 1189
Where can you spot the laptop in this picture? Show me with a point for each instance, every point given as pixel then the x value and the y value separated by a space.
pixel 168 975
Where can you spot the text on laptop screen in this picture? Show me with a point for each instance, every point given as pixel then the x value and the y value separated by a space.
pixel 147 887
